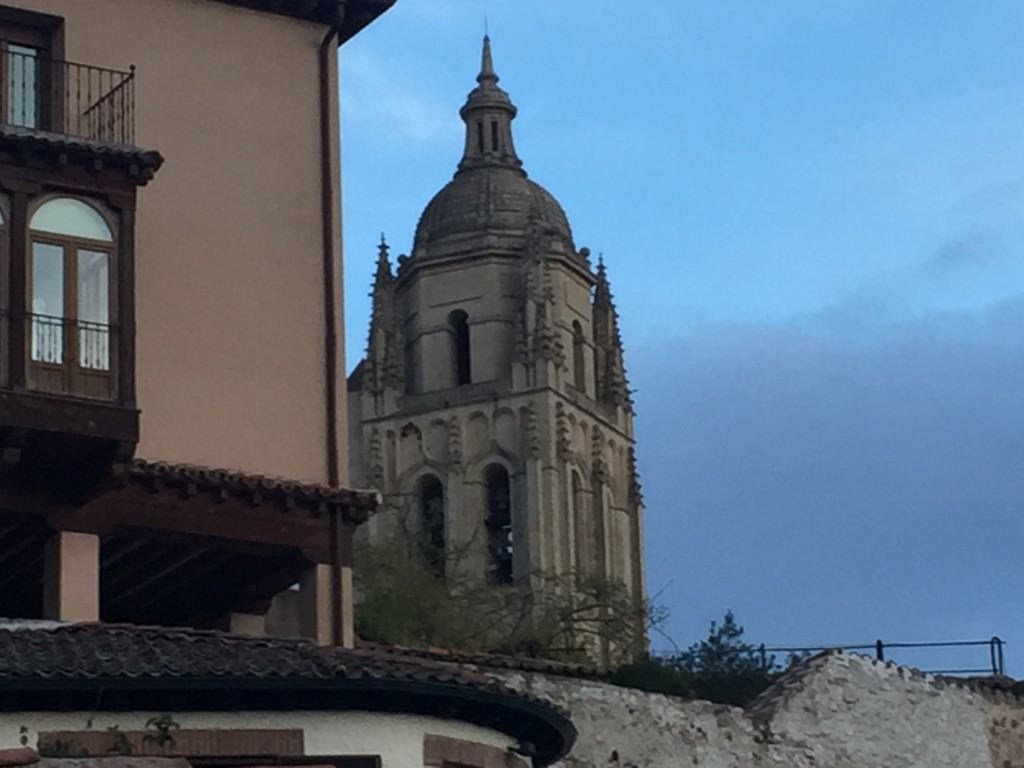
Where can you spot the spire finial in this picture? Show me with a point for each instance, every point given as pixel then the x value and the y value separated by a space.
pixel 487 63
pixel 488 115
pixel 383 273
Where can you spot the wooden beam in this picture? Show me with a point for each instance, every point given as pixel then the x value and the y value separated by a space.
pixel 155 576
pixel 125 547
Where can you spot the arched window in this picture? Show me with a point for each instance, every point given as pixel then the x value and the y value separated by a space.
pixel 459 322
pixel 70 288
pixel 499 524
pixel 432 540
pixel 579 358
pixel 582 530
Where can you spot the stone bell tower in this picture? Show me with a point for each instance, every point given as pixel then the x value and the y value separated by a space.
pixel 492 408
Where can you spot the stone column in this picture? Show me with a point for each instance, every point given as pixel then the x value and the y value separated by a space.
pixel 71 577
pixel 315 605
pixel 325 597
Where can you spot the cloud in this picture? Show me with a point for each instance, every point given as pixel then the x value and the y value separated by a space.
pixel 837 487
pixel 384 102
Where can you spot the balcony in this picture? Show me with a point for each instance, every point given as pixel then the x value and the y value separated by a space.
pixel 66 98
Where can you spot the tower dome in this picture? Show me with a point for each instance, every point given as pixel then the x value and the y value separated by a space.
pixel 490 203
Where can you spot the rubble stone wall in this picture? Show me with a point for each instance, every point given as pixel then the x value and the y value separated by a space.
pixel 838 710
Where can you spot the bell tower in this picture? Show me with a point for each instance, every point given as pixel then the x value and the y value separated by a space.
pixel 492 409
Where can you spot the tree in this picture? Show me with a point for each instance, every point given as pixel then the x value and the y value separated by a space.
pixel 404 598
pixel 721 668
pixel 724 668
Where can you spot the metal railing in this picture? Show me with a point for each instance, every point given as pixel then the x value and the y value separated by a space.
pixel 65 97
pixel 50 337
pixel 766 655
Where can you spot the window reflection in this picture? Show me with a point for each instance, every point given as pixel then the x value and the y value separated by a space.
pixel 22 86
pixel 47 303
pixel 93 310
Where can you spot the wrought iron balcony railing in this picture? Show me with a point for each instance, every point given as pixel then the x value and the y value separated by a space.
pixel 62 97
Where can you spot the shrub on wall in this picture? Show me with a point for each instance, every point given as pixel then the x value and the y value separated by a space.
pixel 722 668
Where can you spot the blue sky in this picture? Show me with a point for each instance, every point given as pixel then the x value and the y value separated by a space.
pixel 813 219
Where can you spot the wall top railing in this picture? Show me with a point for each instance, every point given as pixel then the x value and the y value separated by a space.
pixel 766 655
pixel 66 98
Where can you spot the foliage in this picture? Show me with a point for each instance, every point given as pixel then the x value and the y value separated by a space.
pixel 721 668
pixel 654 675
pixel 161 730
pixel 56 748
pixel 122 745
pixel 403 601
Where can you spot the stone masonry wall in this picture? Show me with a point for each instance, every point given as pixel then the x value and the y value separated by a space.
pixel 836 710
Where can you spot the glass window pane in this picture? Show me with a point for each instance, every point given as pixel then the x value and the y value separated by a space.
pixel 94 310
pixel 67 216
pixel 22 86
pixel 47 303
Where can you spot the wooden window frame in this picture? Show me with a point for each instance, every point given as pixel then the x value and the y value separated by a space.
pixel 446 752
pixel 73 375
pixel 69 378
pixel 5 282
pixel 45 33
pixel 296 761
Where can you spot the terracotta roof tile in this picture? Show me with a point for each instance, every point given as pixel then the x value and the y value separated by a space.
pixel 148 160
pixel 473 660
pixel 83 651
pixel 119 651
pixel 233 483
pixel 127 657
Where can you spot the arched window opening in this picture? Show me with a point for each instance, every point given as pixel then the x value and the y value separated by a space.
pixel 459 322
pixel 499 525
pixel 579 358
pixel 480 136
pixel 432 539
pixel 70 308
pixel 494 135
pixel 580 527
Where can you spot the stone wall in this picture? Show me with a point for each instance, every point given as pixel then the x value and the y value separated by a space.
pixel 837 710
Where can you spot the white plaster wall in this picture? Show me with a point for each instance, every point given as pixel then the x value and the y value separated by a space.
pixel 398 739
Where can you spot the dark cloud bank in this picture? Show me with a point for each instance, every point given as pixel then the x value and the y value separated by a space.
pixel 837 486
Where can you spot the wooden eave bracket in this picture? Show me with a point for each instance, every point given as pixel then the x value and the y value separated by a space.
pixel 139 166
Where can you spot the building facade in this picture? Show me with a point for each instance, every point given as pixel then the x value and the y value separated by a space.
pixel 169 202
pixel 172 422
pixel 492 410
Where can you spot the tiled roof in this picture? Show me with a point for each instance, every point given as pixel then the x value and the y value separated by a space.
pixel 224 482
pixel 149 660
pixel 495 661
pixel 113 651
pixel 90 651
pixel 147 161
